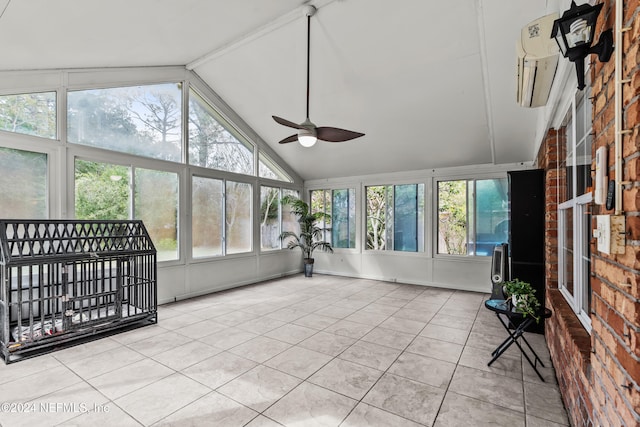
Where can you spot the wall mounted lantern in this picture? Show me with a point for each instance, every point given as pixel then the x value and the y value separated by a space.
pixel 574 33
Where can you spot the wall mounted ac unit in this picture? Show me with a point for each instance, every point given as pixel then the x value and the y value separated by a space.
pixel 537 62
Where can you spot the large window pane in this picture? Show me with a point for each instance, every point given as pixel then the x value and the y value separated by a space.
pixel 206 217
pixel 452 217
pixel 289 219
pixel 405 236
pixel 492 215
pixel 213 143
pixel 29 113
pixel 567 250
pixel 376 217
pixel 238 217
pixel 156 204
pixel 267 168
pixel 101 191
pixel 269 218
pixel 321 202
pixel 343 228
pixel 23 184
pixel 142 120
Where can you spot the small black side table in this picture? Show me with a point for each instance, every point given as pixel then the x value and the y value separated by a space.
pixel 500 306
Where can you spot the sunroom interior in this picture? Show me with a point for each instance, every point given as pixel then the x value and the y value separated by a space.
pixel 162 112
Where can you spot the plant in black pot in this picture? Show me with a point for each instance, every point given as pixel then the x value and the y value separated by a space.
pixel 310 237
pixel 523 298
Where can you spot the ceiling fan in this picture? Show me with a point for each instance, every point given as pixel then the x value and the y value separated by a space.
pixel 308 132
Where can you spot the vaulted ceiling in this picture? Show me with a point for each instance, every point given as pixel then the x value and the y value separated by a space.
pixel 431 84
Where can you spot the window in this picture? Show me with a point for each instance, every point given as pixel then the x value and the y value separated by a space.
pixel 239 228
pixel 29 113
pixel 104 191
pixel 214 143
pixel 574 195
pixel 473 216
pixel 340 204
pixel 269 218
pixel 274 217
pixel 206 216
pixel 23 184
pixel 395 217
pixel 141 120
pixel 267 168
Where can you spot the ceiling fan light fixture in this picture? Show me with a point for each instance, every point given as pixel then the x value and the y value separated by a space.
pixel 307 137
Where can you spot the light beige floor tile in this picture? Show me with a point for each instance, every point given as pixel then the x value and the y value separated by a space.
pixel 540 422
pixel 228 338
pixel 315 321
pixel 260 349
pixel 262 421
pixel 447 351
pixel 178 322
pixel 458 410
pixel 107 361
pixel 544 401
pixel 344 377
pixel 157 400
pixel 235 318
pixel 427 370
pixel 336 311
pixel 409 399
pixel 309 405
pixel 200 329
pixel 186 355
pixel 35 385
pixel 368 318
pixel 139 334
pixel 81 351
pixel 261 325
pixel 389 338
pixel 417 315
pixel 506 364
pixel 488 387
pixel 396 302
pixel 370 354
pixel 132 377
pixel 108 416
pixel 452 321
pixel 219 369
pixel 260 387
pixel 445 333
pixel 376 307
pixel 212 409
pixel 287 314
pixel 291 333
pixel 27 367
pixel 159 343
pixel 349 329
pixel 327 343
pixel 54 408
pixel 369 416
pixel 299 362
pixel 403 325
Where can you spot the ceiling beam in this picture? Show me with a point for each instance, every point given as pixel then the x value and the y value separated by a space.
pixel 485 79
pixel 297 13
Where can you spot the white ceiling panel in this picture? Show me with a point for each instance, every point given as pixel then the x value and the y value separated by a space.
pixel 431 84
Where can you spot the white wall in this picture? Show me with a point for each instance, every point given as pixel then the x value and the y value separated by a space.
pixel 424 268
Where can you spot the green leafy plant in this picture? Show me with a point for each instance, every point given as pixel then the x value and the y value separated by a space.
pixel 309 238
pixel 523 295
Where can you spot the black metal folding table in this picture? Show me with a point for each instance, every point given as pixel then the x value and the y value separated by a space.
pixel 518 323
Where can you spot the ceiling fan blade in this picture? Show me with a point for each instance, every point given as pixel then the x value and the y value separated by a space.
pixel 284 122
pixel 336 135
pixel 292 138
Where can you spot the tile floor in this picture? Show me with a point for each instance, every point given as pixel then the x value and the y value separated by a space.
pixel 321 351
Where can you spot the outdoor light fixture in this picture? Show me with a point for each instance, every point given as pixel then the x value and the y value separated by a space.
pixel 574 33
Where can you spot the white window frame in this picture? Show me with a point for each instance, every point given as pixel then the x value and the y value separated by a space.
pixel 581 232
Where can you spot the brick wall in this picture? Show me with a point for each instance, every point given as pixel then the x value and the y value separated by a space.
pixel 599 373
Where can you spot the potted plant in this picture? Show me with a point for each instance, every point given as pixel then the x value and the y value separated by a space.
pixel 310 235
pixel 523 298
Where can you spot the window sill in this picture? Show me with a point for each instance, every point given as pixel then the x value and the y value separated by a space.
pixel 565 328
